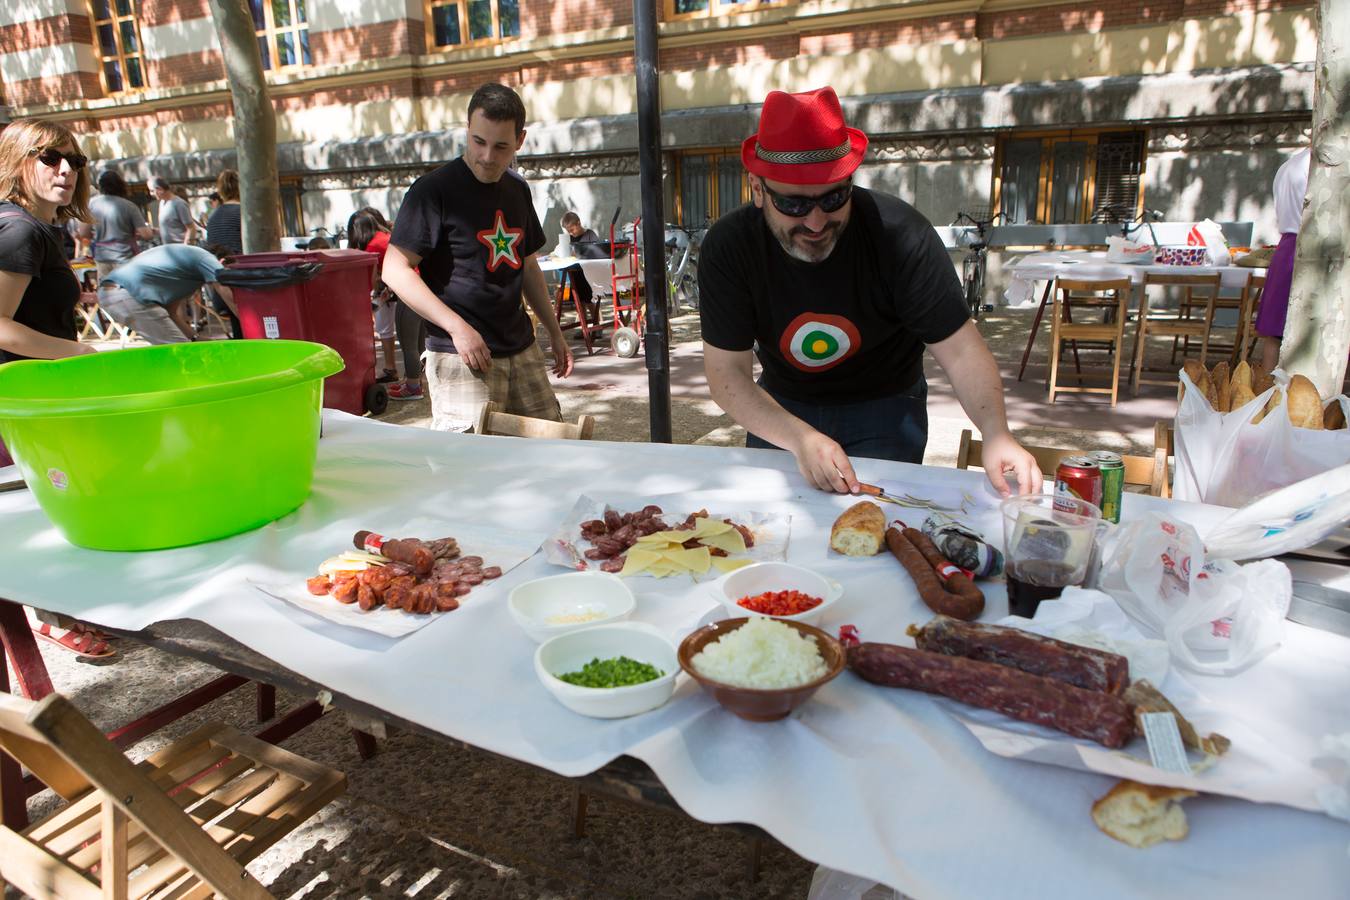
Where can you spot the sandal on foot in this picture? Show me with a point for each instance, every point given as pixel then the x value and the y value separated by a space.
pixel 83 644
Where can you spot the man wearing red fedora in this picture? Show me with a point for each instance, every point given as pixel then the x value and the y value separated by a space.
pixel 838 289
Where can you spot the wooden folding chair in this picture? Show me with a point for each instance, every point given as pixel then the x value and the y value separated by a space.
pixel 184 823
pixel 1113 298
pixel 1163 452
pixel 491 420
pixel 1201 293
pixel 1251 305
pixel 1140 471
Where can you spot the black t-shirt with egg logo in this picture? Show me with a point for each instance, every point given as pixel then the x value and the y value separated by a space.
pixel 852 327
pixel 473 239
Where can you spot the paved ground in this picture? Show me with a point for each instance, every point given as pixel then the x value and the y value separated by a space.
pixel 424 819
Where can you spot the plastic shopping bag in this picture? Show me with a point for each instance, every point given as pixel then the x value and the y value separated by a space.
pixel 1156 569
pixel 1209 235
pixel 1227 460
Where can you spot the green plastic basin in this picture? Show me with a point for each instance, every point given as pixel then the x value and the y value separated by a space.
pixel 156 447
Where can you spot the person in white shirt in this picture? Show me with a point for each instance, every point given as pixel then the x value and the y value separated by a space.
pixel 1291 185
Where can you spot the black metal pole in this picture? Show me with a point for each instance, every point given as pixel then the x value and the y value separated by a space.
pixel 653 219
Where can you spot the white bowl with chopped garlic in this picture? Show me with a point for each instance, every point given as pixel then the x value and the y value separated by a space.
pixel 755 580
pixel 629 650
pixel 547 607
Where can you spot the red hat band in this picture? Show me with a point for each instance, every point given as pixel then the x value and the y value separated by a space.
pixel 802 139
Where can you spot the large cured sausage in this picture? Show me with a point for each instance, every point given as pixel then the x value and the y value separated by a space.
pixel 953 595
pixel 1095 716
pixel 1084 667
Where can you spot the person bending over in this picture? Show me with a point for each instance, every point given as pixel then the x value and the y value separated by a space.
pixel 840 289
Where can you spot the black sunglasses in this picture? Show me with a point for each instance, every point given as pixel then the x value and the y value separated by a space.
pixel 799 207
pixel 52 157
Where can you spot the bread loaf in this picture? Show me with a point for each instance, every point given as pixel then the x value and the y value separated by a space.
pixel 1305 404
pixel 1262 380
pixel 1223 386
pixel 1334 416
pixel 1142 815
pixel 1199 377
pixel 860 531
pixel 1271 404
pixel 1240 392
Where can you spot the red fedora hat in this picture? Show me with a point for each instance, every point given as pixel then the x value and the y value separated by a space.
pixel 802 139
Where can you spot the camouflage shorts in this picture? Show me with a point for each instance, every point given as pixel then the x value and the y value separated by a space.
pixel 519 383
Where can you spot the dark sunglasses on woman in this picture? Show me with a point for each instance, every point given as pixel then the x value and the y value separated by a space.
pixel 799 207
pixel 52 157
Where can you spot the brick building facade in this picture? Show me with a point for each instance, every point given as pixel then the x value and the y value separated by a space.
pixel 1053 111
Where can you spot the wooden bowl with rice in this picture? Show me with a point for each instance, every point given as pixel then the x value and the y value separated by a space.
pixel 766 678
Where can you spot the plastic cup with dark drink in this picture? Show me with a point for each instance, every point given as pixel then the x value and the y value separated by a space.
pixel 1050 541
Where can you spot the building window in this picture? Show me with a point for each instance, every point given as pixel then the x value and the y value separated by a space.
pixel 119 45
pixel 710 183
pixel 455 23
pixel 282 27
pixel 1070 177
pixel 292 209
pixel 679 9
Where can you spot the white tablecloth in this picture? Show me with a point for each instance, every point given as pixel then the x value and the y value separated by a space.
pixel 597 271
pixel 881 783
pixel 1092 266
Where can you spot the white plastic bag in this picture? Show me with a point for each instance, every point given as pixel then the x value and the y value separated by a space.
pixel 1124 250
pixel 1209 235
pixel 1224 459
pixel 1155 568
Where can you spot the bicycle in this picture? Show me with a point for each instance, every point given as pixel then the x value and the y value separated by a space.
pixel 973 266
pixel 682 246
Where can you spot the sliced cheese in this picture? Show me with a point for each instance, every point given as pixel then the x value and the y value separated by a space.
pixel 661 569
pixel 697 560
pixel 705 526
pixel 730 541
pixel 638 561
pixel 665 537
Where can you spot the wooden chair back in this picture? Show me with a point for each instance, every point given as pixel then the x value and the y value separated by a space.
pixel 491 420
pixel 1251 305
pixel 131 830
pixel 1162 456
pixel 1140 471
pixel 1113 297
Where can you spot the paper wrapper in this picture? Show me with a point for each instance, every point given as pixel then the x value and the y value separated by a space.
pixel 498 547
pixel 1256 768
pixel 566 547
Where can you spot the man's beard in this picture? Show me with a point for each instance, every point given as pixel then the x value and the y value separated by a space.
pixel 809 253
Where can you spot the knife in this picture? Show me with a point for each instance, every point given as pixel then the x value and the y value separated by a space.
pixel 873 490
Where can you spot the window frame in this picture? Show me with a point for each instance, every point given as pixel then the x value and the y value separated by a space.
pixel 717 8
pixel 429 7
pixel 115 21
pixel 1050 137
pixel 270 30
pixel 719 155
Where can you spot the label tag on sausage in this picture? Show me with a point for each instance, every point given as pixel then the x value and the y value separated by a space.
pixel 373 542
pixel 1165 748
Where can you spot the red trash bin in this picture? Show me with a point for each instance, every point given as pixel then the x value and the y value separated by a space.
pixel 333 308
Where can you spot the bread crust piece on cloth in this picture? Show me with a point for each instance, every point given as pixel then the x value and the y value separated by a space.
pixel 1142 815
pixel 859 531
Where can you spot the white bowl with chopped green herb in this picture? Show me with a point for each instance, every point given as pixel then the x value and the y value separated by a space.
pixel 557 604
pixel 609 671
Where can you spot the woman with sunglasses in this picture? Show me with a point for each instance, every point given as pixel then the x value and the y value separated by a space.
pixel 839 291
pixel 44 183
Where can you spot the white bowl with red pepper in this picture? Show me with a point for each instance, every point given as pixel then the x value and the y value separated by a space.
pixel 777 590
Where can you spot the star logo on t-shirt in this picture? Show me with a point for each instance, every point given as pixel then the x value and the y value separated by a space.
pixel 501 241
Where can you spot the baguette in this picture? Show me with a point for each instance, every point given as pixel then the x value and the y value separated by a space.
pixel 1199 377
pixel 1305 404
pixel 1334 416
pixel 1142 815
pixel 1240 392
pixel 859 531
pixel 1223 386
pixel 1262 380
pixel 1273 402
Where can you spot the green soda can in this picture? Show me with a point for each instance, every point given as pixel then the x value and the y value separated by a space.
pixel 1113 482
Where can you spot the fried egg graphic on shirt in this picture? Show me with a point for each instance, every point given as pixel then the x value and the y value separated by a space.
pixel 814 342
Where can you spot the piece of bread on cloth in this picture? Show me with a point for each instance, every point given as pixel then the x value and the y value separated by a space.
pixel 859 531
pixel 1142 815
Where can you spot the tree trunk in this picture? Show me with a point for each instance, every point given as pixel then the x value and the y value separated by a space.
pixel 1317 332
pixel 255 126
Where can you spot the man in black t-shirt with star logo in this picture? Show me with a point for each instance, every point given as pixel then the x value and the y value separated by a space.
pixel 839 290
pixel 462 255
